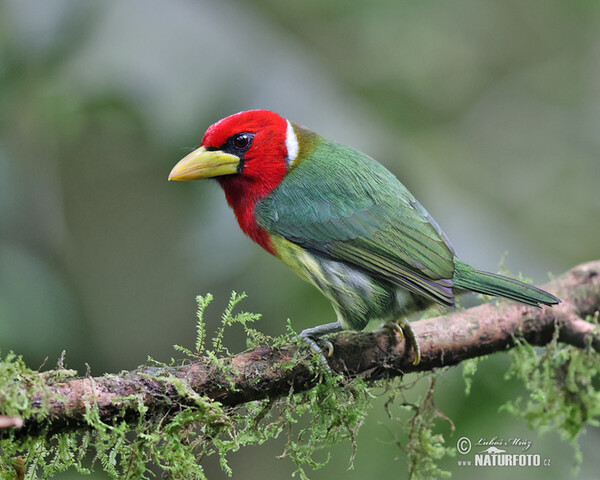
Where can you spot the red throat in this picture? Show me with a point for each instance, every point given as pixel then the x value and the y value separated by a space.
pixel 242 197
pixel 264 166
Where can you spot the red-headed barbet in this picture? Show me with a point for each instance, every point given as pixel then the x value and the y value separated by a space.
pixel 341 221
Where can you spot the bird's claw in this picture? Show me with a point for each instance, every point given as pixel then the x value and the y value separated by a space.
pixel 405 331
pixel 311 335
pixel 329 346
pixel 317 350
pixel 397 329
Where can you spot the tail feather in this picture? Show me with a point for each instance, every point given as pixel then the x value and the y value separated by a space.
pixel 467 278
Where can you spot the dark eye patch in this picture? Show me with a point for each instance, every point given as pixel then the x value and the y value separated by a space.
pixel 238 144
pixel 241 141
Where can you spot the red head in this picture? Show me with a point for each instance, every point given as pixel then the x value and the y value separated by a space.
pixel 249 153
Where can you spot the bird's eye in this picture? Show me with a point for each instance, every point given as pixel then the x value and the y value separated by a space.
pixel 241 140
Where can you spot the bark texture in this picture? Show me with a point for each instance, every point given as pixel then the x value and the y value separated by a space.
pixel 269 372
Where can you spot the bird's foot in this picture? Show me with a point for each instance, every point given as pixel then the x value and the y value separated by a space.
pixel 315 348
pixel 310 336
pixel 404 330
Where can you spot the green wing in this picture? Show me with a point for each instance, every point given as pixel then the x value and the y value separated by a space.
pixel 342 205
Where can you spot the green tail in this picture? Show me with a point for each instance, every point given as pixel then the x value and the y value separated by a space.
pixel 467 278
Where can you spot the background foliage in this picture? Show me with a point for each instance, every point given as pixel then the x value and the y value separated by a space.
pixel 488 111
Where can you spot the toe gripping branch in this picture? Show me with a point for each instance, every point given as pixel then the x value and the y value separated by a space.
pixel 404 330
pixel 310 336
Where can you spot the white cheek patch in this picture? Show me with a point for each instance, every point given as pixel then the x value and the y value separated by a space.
pixel 291 144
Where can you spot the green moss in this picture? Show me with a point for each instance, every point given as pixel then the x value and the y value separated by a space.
pixel 42 458
pixel 562 385
pixel 176 443
pixel 421 442
pixel 469 368
pixel 563 396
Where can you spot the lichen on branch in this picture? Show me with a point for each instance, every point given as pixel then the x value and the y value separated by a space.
pixel 190 410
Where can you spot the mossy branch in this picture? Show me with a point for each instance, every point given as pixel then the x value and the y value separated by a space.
pixel 157 391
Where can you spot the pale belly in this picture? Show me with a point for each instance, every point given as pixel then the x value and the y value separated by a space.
pixel 356 297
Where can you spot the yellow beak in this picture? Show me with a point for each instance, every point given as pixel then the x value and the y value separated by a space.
pixel 203 163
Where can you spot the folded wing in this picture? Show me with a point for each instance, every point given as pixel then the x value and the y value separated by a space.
pixel 344 206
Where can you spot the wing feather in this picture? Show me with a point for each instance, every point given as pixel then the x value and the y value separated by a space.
pixel 342 205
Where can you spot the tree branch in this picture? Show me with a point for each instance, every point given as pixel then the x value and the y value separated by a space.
pixel 271 372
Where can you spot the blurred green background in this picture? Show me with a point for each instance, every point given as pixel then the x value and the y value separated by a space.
pixel 489 111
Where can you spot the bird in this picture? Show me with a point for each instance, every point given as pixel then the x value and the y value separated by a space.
pixel 342 221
